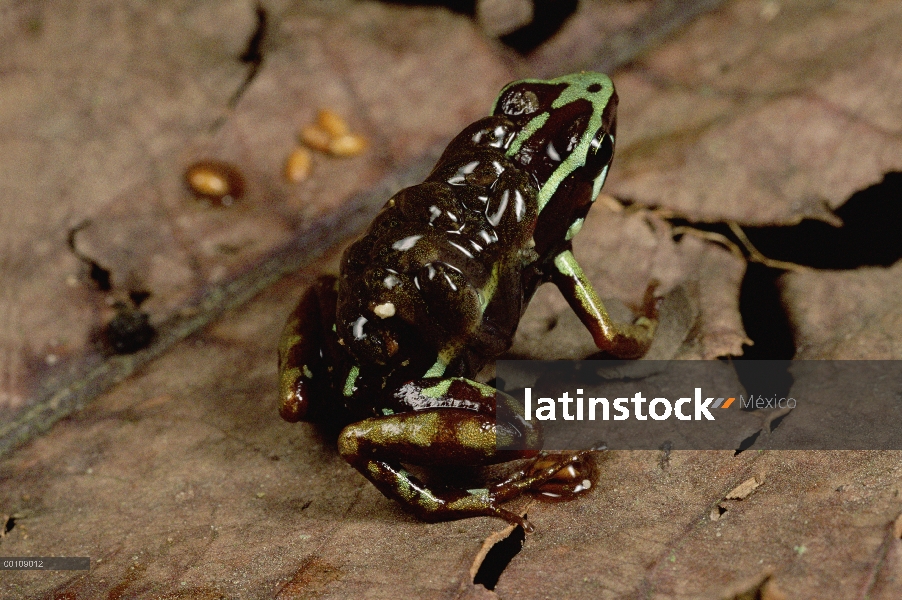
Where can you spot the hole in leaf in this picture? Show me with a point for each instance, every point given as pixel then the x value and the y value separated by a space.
pixel 138 297
pixel 253 54
pixel 721 509
pixel 127 332
pixel 869 235
pixel 548 17
pixel 766 323
pixel 764 317
pixel 776 422
pixel 101 276
pixel 497 559
pixel 465 7
pixel 8 526
pixel 763 590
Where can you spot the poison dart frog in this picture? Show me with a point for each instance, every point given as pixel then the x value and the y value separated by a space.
pixel 435 288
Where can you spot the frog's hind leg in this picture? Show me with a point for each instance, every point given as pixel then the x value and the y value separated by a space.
pixel 623 340
pixel 434 432
pixel 377 446
pixel 304 352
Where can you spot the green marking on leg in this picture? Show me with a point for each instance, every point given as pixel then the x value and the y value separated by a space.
pixel 438 369
pixel 486 293
pixel 566 265
pixel 486 390
pixel 445 356
pixel 439 389
pixel 352 379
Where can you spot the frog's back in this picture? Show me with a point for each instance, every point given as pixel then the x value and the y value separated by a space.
pixel 446 254
pixel 449 264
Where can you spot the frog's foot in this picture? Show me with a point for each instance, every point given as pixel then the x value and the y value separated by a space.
pixel 558 475
pixel 577 478
pixel 377 447
pixel 623 340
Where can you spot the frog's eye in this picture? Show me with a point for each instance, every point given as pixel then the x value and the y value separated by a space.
pixel 601 151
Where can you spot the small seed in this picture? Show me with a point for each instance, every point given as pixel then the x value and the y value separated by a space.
pixel 216 181
pixel 297 167
pixel 332 123
pixel 348 145
pixel 316 137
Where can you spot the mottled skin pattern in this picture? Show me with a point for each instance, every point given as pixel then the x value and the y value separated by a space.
pixel 435 288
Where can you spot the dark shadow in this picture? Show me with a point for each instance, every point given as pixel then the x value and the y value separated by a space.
pixel 548 18
pixel 465 7
pixel 869 236
pixel 747 443
pixel 497 559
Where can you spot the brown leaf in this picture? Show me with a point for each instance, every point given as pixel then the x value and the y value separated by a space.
pixel 763 116
pixel 845 315
pixel 183 482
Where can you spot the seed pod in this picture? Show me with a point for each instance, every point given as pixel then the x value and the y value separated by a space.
pixel 316 137
pixel 348 145
pixel 297 167
pixel 332 123
pixel 219 182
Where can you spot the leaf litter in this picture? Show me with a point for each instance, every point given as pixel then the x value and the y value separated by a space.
pixel 760 113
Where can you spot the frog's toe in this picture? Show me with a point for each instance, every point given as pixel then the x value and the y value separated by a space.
pixel 576 478
pixel 651 302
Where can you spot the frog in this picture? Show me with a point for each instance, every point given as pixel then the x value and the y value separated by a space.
pixel 390 349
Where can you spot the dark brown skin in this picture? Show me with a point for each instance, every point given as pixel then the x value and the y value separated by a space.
pixel 435 289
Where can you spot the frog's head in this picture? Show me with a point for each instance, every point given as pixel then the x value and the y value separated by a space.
pixel 566 137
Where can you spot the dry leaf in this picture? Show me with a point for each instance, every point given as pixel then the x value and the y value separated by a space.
pixel 179 485
pixel 763 119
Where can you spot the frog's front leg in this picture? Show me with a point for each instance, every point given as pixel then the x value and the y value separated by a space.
pixel 450 422
pixel 623 340
pixel 304 351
